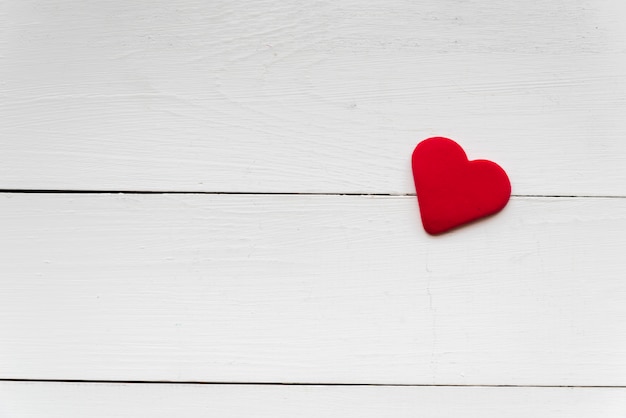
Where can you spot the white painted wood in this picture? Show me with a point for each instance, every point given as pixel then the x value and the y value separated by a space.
pixel 310 289
pixel 58 400
pixel 294 96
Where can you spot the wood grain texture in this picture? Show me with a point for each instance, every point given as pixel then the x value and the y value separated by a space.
pixel 295 96
pixel 56 400
pixel 310 289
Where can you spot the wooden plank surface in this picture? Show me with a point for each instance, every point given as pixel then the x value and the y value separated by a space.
pixel 58 400
pixel 295 96
pixel 314 289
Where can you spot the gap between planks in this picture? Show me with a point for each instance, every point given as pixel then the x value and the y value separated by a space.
pixel 168 382
pixel 157 192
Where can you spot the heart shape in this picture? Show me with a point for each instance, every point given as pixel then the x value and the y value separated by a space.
pixel 451 190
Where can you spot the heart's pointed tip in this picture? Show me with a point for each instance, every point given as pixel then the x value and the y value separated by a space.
pixel 436 232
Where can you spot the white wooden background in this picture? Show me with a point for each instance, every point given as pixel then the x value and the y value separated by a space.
pixel 207 209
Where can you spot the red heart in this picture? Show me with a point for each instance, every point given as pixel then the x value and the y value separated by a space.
pixel 453 191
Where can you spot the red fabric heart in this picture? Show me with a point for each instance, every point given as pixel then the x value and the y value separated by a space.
pixel 453 191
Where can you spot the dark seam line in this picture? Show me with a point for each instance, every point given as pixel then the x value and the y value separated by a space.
pixel 163 192
pixel 165 382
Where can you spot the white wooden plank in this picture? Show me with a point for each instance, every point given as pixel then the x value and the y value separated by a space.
pixel 294 96
pixel 310 289
pixel 52 400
